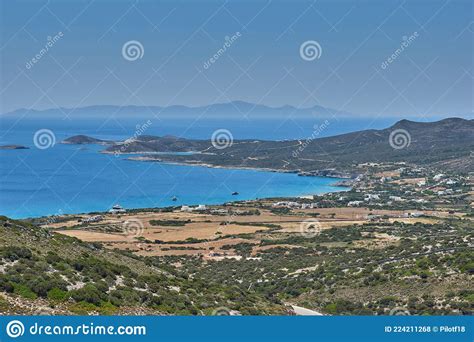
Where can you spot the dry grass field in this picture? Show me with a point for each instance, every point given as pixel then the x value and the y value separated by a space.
pixel 204 234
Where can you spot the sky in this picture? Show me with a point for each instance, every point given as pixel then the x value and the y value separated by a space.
pixel 384 58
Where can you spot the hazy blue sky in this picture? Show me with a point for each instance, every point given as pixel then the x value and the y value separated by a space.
pixel 433 75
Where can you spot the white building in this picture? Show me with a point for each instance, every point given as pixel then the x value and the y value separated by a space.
pixel 354 203
pixel 396 198
pixel 219 211
pixel 287 204
pixel 117 209
pixel 419 200
pixel 371 197
pixel 415 214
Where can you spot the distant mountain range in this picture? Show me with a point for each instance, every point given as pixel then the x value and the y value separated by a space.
pixel 446 144
pixel 219 110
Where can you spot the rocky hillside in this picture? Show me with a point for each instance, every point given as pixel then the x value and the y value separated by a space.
pixel 447 144
pixel 49 273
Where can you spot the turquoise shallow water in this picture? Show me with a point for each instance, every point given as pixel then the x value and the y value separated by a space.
pixel 70 179
pixel 75 179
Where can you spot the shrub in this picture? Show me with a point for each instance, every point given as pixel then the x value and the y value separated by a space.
pixel 24 291
pixel 172 223
pixel 3 304
pixel 5 284
pixel 124 296
pixel 57 294
pixel 89 294
pixel 53 258
pixel 468 267
pixel 14 253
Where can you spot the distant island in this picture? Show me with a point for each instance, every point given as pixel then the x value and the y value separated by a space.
pixel 13 147
pixel 83 139
pixel 444 144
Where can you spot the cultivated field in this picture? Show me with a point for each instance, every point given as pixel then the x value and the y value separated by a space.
pixel 205 234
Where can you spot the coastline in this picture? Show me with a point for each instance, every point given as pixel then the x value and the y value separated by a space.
pixel 317 173
pixel 148 159
pixel 147 209
pixel 173 207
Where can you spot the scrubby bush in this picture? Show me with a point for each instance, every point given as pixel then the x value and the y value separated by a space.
pixel 24 291
pixel 56 294
pixel 89 294
pixel 14 253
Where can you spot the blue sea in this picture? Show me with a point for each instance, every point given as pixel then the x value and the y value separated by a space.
pixel 77 178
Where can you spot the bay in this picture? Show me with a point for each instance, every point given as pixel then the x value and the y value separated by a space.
pixel 78 178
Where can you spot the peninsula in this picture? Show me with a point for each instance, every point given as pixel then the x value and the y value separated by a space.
pixel 446 143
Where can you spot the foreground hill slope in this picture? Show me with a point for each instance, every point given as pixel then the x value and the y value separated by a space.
pixel 48 273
